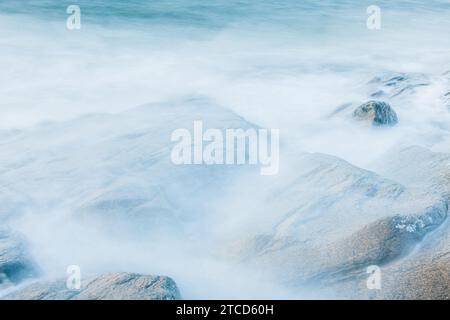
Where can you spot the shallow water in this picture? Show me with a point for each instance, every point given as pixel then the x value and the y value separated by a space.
pixel 279 64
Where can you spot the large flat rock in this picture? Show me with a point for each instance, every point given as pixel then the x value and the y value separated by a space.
pixel 117 169
pixel 333 220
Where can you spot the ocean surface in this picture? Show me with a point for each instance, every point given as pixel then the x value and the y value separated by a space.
pixel 281 64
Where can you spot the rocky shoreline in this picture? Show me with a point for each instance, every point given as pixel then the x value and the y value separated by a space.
pixel 329 220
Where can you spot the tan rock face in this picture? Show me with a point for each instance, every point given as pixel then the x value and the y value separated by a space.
pixel 110 286
pixel 425 274
pixel 424 271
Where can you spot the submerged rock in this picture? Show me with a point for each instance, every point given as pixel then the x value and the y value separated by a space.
pixel 109 286
pixel 380 113
pixel 397 85
pixel 15 264
pixel 446 99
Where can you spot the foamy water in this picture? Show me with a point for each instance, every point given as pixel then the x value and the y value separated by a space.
pixel 278 64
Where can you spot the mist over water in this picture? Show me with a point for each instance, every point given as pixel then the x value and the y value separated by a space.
pixel 278 64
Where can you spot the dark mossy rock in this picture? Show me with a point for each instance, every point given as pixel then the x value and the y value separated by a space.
pixel 15 263
pixel 379 113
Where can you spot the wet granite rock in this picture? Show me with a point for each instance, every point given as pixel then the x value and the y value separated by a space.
pixel 334 220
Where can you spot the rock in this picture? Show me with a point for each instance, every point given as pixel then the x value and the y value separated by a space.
pixel 397 85
pixel 417 167
pixel 332 220
pixel 13 204
pixel 129 181
pixel 109 286
pixel 15 263
pixel 425 274
pixel 422 273
pixel 380 113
